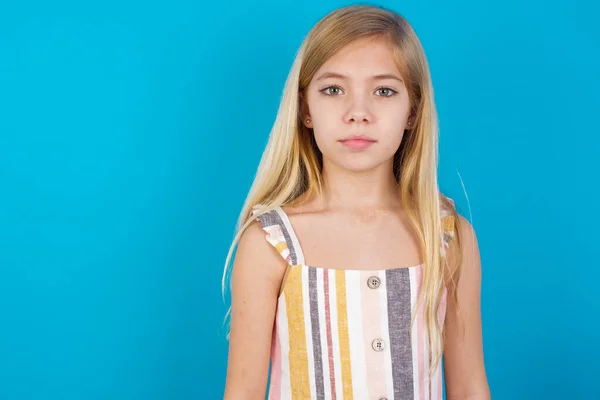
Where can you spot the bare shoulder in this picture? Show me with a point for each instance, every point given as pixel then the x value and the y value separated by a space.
pixel 465 226
pixel 256 259
pixel 252 242
pixel 467 239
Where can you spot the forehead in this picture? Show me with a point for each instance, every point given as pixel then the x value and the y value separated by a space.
pixel 363 57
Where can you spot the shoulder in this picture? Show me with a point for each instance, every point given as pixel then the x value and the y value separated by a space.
pixel 458 230
pixel 255 258
pixel 464 226
pixel 463 250
pixel 252 244
pixel 469 247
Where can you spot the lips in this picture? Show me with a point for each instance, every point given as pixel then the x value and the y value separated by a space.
pixel 358 142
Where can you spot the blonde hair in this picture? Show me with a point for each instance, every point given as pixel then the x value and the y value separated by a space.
pixel 290 168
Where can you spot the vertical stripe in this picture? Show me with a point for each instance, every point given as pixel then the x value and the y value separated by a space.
pixel 343 335
pixel 275 386
pixel 323 331
pixel 284 338
pixel 387 356
pixel 308 317
pixel 421 343
pixel 290 236
pixel 436 391
pixel 316 335
pixel 371 331
pixel 356 339
pixel 298 352
pixel 335 338
pixel 414 273
pixel 435 386
pixel 399 313
pixel 330 351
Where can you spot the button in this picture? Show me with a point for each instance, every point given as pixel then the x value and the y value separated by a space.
pixel 373 282
pixel 378 345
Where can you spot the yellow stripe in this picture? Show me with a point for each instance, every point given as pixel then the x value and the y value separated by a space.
pixel 281 246
pixel 448 225
pixel 299 380
pixel 342 312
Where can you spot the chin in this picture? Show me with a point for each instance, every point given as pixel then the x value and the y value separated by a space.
pixel 360 165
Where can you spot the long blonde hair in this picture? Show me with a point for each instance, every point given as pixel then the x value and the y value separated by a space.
pixel 291 165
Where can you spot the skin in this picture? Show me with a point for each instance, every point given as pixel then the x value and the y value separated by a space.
pixel 360 205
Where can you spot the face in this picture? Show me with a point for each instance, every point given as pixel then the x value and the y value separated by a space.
pixel 358 106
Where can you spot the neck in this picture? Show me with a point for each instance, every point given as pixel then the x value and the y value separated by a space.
pixel 374 188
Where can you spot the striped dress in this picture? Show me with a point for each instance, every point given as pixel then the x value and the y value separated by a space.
pixel 344 334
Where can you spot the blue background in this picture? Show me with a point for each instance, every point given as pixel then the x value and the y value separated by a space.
pixel 129 135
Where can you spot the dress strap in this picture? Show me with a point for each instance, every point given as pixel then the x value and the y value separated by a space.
pixel 448 221
pixel 280 234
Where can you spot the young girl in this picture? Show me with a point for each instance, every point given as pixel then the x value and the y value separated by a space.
pixel 349 279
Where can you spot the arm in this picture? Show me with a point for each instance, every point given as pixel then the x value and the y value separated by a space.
pixel 255 282
pixel 463 351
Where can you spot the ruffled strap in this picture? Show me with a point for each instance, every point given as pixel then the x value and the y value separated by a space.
pixel 280 234
pixel 448 221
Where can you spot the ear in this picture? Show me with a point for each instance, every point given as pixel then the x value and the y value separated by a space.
pixel 304 111
pixel 410 122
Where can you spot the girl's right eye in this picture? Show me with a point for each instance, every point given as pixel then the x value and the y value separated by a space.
pixel 331 90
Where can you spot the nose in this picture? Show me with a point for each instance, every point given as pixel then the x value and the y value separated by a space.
pixel 358 112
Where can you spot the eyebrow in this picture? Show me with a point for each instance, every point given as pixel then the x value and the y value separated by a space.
pixel 326 75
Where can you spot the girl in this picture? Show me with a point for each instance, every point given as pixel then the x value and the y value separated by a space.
pixel 350 280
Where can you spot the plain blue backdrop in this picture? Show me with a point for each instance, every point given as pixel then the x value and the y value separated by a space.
pixel 129 135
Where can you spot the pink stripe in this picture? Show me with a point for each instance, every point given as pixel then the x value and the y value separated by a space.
pixel 442 317
pixel 421 333
pixel 329 335
pixel 275 389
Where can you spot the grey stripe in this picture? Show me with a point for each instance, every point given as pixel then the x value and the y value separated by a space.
pixel 399 314
pixel 316 337
pixel 273 218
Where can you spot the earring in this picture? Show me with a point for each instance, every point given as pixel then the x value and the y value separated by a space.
pixel 308 120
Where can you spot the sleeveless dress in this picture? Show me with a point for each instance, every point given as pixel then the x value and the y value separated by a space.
pixel 344 334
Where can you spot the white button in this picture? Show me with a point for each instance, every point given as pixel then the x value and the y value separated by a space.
pixel 378 345
pixel 373 282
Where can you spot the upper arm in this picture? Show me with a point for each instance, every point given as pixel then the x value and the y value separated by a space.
pixel 463 350
pixel 255 281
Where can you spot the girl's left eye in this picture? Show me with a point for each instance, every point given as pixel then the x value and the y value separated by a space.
pixel 386 92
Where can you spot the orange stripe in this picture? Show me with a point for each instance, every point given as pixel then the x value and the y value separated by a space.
pixel 298 357
pixel 344 339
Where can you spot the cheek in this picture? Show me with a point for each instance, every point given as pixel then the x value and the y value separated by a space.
pixel 323 112
pixel 327 122
pixel 323 138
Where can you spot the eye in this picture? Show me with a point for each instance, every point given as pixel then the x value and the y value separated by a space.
pixel 333 90
pixel 386 92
